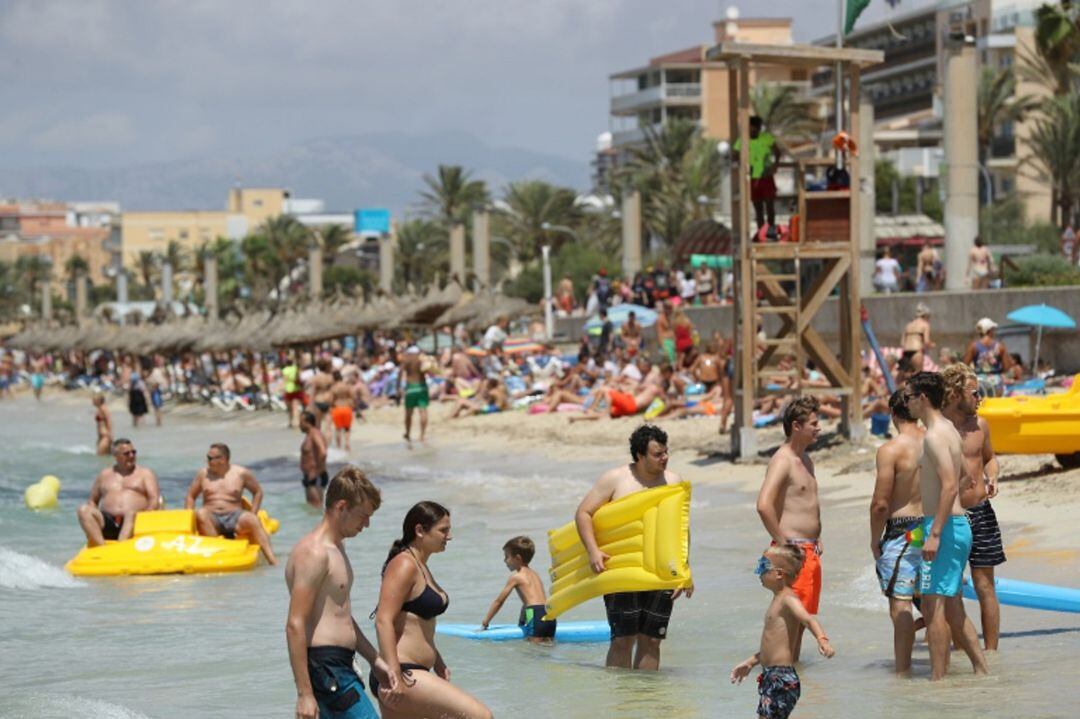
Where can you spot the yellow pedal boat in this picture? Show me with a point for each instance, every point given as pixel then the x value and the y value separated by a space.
pixel 1036 425
pixel 166 542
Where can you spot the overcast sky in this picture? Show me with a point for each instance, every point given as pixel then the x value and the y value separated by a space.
pixel 98 82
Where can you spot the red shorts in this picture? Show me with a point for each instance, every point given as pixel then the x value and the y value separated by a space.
pixel 622 403
pixel 297 395
pixel 807 586
pixel 342 417
pixel 763 188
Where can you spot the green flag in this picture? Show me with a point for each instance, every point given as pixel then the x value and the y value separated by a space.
pixel 854 9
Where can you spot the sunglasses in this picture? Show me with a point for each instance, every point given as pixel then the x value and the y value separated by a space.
pixel 128 453
pixel 212 457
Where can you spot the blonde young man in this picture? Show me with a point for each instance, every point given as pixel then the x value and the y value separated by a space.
pixel 321 633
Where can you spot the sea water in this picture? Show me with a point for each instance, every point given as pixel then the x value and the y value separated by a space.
pixel 214 645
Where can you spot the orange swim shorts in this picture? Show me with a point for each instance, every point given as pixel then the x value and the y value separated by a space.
pixel 807 586
pixel 342 417
pixel 622 403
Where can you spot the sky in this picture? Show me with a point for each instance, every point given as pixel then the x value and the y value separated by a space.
pixel 98 83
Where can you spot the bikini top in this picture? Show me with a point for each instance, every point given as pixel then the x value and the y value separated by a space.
pixel 430 603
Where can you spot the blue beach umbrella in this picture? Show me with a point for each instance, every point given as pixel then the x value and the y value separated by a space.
pixel 618 315
pixel 1041 316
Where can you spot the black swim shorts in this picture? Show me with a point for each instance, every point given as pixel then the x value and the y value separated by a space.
pixel 226 522
pixel 778 692
pixel 630 613
pixel 532 623
pixel 986 547
pixel 111 529
pixel 322 480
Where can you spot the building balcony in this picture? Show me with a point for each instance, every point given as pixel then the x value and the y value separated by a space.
pixel 682 93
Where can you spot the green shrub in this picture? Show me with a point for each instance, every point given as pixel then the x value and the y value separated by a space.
pixel 580 262
pixel 1042 271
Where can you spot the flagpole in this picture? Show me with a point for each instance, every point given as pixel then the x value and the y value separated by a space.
pixel 838 77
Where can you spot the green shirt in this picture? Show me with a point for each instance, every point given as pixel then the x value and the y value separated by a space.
pixel 761 153
pixel 290 373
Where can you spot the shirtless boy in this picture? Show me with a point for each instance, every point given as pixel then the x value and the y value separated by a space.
pixel 896 524
pixel 788 502
pixel 638 620
pixel 517 553
pixel 947 534
pixel 961 403
pixel 416 392
pixel 222 486
pixel 312 460
pixel 321 633
pixel 785 620
pixel 118 493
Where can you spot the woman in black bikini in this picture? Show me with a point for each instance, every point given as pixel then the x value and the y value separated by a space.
pixel 409 602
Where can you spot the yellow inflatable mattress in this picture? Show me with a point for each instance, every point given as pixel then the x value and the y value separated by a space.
pixel 647 536
pixel 1035 425
pixel 166 542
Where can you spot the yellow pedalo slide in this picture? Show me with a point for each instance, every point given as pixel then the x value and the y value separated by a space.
pixel 1036 425
pixel 166 542
pixel 647 536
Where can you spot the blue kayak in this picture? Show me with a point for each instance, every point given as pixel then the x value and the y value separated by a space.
pixel 596 631
pixel 1031 595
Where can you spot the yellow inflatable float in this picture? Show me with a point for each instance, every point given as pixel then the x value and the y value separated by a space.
pixel 647 536
pixel 166 542
pixel 1036 425
pixel 43 493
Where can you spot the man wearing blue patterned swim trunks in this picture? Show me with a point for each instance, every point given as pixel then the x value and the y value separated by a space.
pixel 896 524
pixel 947 541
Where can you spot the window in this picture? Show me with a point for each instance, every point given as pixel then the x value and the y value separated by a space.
pixel 257 202
pixel 183 234
pixel 156 234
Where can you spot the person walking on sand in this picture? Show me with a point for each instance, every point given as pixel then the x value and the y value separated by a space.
pixel 915 340
pixel 416 391
pixel 321 634
pixel 103 423
pixel 313 450
pixel 638 620
pixel 341 414
pixel 321 396
pixel 896 525
pixel 947 534
pixel 788 501
pixel 221 485
pixel 410 602
pixel 981 466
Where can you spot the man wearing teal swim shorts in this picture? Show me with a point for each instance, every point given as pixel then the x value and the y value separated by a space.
pixel 416 391
pixel 947 542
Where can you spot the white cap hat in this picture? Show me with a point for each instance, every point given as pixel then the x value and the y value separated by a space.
pixel 985 325
pixel 413 350
pixel 389 366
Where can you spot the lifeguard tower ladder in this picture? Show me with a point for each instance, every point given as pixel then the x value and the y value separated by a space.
pixel 770 291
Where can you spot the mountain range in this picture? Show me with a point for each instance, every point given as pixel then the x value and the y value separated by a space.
pixel 347 172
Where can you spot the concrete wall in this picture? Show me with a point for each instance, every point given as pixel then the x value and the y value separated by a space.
pixel 952 321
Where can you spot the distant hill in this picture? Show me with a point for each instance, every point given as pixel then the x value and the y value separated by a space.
pixel 348 172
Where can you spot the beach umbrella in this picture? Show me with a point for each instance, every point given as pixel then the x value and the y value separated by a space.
pixel 618 315
pixel 1040 316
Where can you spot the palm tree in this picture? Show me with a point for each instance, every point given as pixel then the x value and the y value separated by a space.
pixel 288 242
pixel 788 116
pixel 1057 40
pixel 450 197
pixel 260 266
pixel 422 251
pixel 75 265
pixel 1055 151
pixel 534 204
pixel 146 264
pixel 32 271
pixel 176 255
pixel 333 238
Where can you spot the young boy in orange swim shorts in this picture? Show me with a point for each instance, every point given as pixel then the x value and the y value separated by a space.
pixel 788 501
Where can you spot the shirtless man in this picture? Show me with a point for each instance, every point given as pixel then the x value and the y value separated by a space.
pixel 312 460
pixel 980 464
pixel 321 390
pixel 665 332
pixel 222 486
pixel 321 633
pixel 341 414
pixel 916 338
pixel 927 265
pixel 896 522
pixel 638 620
pixel 946 532
pixel 117 494
pixel 630 333
pixel 416 391
pixel 788 501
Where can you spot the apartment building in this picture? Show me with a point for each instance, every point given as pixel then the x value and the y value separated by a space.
pixel 59 231
pixel 682 84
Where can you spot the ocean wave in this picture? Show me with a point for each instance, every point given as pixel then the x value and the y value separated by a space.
pixel 21 571
pixel 78 449
pixel 864 592
pixel 62 706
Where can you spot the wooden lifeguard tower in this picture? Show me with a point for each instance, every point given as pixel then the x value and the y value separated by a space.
pixel 774 290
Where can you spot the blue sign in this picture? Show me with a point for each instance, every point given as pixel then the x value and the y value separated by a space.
pixel 372 220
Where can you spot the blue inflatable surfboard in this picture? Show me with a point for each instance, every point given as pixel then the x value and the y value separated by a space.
pixel 1031 595
pixel 596 631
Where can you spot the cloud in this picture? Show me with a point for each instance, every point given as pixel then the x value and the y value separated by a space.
pixel 103 129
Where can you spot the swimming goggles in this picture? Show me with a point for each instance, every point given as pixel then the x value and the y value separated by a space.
pixel 763 565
